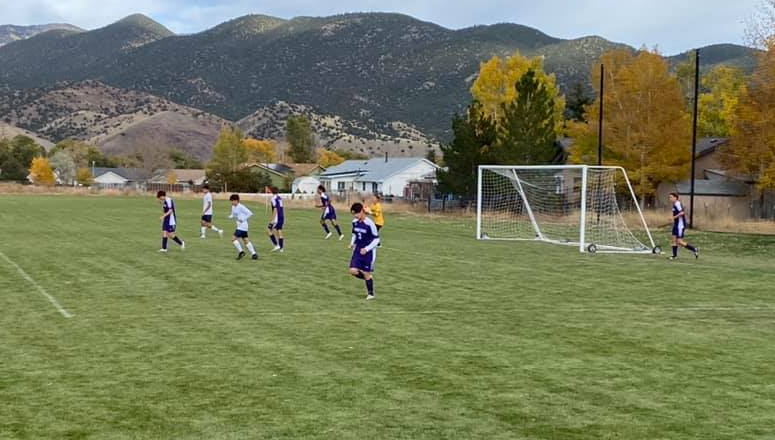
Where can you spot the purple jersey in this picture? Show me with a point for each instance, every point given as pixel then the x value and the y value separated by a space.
pixel 279 211
pixel 365 235
pixel 168 206
pixel 328 208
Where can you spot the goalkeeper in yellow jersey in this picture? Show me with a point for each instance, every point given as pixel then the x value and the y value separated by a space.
pixel 375 211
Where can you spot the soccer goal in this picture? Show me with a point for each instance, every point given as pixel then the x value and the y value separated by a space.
pixel 591 207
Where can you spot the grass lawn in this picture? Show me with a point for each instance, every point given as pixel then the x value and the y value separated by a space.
pixel 466 340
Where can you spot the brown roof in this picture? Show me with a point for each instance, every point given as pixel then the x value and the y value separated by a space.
pixel 304 169
pixel 186 175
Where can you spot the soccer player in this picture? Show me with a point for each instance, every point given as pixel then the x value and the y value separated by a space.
pixel 679 228
pixel 364 243
pixel 168 222
pixel 375 211
pixel 241 214
pixel 329 213
pixel 275 228
pixel 207 212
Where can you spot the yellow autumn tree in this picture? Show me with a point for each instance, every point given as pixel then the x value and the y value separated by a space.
pixel 172 178
pixel 494 86
pixel 83 176
pixel 752 147
pixel 718 105
pixel 646 128
pixel 41 172
pixel 327 158
pixel 263 151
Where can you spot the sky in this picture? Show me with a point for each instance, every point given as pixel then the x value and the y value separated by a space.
pixel 673 26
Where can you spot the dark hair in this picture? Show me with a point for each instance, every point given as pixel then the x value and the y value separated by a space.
pixel 357 208
pixel 274 190
pixel 205 186
pixel 234 197
pixel 377 196
pixel 675 195
pixel 161 194
pixel 322 188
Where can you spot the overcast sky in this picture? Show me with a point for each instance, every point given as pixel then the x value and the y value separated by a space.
pixel 671 25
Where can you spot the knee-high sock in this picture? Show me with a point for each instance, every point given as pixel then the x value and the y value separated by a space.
pixel 177 240
pixel 204 230
pixel 274 240
pixel 675 251
pixel 237 245
pixel 325 228
pixel 282 243
pixel 690 247
pixel 164 242
pixel 251 249
pixel 338 231
pixel 359 276
pixel 370 286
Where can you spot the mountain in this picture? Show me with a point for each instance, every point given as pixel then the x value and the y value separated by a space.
pixel 375 70
pixel 727 54
pixel 118 121
pixel 9 32
pixel 8 131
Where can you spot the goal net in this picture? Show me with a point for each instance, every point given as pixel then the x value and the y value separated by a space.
pixel 593 208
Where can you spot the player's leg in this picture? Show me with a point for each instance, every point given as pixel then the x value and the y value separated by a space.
pixel 281 239
pixel 203 228
pixel 164 240
pixel 685 244
pixel 379 231
pixel 235 240
pixel 251 249
pixel 325 226
pixel 270 231
pixel 369 285
pixel 338 230
pixel 177 239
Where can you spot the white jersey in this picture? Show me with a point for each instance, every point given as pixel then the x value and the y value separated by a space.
pixel 241 214
pixel 207 204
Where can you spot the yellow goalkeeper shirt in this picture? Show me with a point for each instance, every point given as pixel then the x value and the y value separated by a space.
pixel 376 212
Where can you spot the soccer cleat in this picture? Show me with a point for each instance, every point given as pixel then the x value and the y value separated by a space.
pixel 328 236
pixel 696 253
pixel 370 297
pixel 341 237
pixel 220 233
pixel 282 250
pixel 241 255
pixel 254 257
pixel 164 251
pixel 202 237
pixel 671 258
pixel 183 246
pixel 276 248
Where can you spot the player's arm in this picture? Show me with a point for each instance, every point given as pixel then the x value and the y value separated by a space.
pixel 374 243
pixel 681 213
pixel 246 213
pixel 166 214
pixel 207 208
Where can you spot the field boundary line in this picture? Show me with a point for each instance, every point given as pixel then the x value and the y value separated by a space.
pixel 37 286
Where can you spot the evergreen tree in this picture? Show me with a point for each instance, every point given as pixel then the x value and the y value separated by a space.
pixel 298 133
pixel 527 136
pixel 576 102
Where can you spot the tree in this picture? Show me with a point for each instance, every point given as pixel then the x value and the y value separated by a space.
pixel 183 161
pixel 718 105
pixel 577 101
pixel 64 165
pixel 172 177
pixel 350 155
pixel 298 132
pixel 526 135
pixel 760 27
pixel 327 159
pixel 647 129
pixel 752 147
pixel 83 154
pixel 475 134
pixel 229 157
pixel 41 172
pixel 24 149
pixel 494 87
pixel 83 177
pixel 431 155
pixel 261 151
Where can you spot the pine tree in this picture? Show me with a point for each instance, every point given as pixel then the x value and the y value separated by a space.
pixel 298 133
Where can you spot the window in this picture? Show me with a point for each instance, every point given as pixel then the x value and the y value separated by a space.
pixel 340 186
pixel 374 187
pixel 364 186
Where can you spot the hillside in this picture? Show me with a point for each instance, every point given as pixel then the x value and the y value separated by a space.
pixel 118 121
pixel 9 32
pixel 8 131
pixel 371 69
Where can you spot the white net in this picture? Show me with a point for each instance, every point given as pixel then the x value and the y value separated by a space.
pixel 548 204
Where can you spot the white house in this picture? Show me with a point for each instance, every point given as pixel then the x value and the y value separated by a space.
pixel 120 178
pixel 305 185
pixel 387 176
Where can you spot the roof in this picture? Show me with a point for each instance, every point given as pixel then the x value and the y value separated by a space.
pixel 278 169
pixel 186 175
pixel 375 170
pixel 714 174
pixel 131 174
pixel 706 146
pixel 304 169
pixel 705 187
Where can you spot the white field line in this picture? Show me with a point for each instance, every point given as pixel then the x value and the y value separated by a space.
pixel 37 286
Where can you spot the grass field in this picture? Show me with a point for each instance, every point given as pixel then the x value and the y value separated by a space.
pixel 466 340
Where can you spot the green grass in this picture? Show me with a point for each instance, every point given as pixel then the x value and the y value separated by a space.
pixel 467 339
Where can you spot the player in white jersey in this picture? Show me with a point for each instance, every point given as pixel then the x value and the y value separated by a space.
pixel 241 214
pixel 207 212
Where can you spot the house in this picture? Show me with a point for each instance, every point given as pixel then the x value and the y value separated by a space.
pixel 387 176
pixel 182 177
pixel 305 185
pixel 120 178
pixel 282 175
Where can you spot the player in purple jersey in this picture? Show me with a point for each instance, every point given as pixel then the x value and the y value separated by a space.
pixel 275 228
pixel 329 213
pixel 679 228
pixel 364 245
pixel 169 222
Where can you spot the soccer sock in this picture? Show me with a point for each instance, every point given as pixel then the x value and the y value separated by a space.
pixel 675 251
pixel 251 249
pixel 204 229
pixel 325 228
pixel 177 240
pixel 215 229
pixel 370 286
pixel 274 240
pixel 359 275
pixel 691 248
pixel 338 231
pixel 164 243
pixel 282 243
pixel 237 245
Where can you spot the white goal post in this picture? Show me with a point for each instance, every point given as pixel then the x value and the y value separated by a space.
pixel 591 207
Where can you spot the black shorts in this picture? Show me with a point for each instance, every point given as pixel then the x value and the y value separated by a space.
pixel 241 234
pixel 207 218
